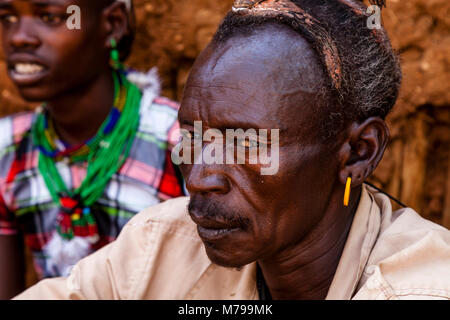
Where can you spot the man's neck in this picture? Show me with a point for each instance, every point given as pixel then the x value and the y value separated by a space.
pixel 77 115
pixel 306 271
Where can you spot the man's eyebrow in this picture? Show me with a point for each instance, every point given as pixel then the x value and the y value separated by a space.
pixel 230 125
pixel 244 125
pixel 186 123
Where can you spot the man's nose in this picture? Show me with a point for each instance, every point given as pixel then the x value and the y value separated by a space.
pixel 23 35
pixel 206 179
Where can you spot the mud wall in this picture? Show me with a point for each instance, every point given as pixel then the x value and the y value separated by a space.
pixel 171 33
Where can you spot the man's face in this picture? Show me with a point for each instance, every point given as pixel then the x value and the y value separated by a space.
pixel 45 58
pixel 268 80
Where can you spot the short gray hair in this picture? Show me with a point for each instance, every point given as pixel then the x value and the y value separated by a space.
pixel 370 72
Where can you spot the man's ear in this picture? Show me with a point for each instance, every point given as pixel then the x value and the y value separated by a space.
pixel 115 19
pixel 363 149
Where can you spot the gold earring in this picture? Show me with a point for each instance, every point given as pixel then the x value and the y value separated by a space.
pixel 347 191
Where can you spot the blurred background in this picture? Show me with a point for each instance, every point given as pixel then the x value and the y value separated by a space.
pixel 416 167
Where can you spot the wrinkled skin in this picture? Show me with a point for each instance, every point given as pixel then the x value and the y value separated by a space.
pixel 293 223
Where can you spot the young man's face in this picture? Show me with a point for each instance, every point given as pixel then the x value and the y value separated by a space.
pixel 268 80
pixel 45 58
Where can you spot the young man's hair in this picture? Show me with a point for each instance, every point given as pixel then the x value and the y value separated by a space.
pixel 370 71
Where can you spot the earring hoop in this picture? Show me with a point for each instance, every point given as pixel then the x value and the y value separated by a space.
pixel 347 191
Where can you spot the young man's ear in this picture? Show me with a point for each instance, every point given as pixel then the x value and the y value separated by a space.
pixel 115 18
pixel 363 149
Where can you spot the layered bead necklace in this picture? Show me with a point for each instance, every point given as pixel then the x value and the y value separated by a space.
pixel 105 154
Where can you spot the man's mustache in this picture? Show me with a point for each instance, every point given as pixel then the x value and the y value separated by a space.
pixel 216 211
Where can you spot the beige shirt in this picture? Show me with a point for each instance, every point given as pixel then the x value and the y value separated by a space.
pixel 158 255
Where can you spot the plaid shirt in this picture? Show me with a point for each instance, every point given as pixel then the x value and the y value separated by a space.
pixel 146 178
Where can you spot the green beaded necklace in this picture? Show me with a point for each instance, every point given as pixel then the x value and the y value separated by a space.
pixel 105 154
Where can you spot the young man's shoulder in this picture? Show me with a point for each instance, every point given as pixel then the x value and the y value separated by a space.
pixel 159 119
pixel 158 115
pixel 13 128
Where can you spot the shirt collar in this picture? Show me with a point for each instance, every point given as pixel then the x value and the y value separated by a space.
pixel 361 239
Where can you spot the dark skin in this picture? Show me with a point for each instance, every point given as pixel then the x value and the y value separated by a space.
pixel 73 78
pixel 293 223
pixel 12 266
pixel 76 82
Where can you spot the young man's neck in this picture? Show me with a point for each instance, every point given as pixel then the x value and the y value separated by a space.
pixel 306 271
pixel 78 115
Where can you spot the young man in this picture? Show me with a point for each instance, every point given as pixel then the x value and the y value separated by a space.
pixel 94 154
pixel 312 230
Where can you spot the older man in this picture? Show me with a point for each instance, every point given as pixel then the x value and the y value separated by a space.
pixel 311 230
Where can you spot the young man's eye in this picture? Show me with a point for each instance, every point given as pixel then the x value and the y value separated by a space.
pixel 51 18
pixel 8 18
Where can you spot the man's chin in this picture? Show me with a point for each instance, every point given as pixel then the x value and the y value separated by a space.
pixel 33 95
pixel 226 259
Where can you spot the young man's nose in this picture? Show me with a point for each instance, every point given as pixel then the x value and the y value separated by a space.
pixel 23 34
pixel 205 179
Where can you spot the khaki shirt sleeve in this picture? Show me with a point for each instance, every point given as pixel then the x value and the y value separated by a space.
pixel 109 273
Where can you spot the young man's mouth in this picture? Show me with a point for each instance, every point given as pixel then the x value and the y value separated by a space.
pixel 26 73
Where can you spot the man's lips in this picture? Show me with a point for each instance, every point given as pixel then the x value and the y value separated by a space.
pixel 26 69
pixel 214 234
pixel 209 229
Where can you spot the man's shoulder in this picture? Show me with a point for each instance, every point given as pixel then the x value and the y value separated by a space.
pixel 411 258
pixel 172 214
pixel 402 228
pixel 407 220
pixel 405 229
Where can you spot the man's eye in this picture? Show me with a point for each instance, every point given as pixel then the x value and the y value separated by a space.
pixel 186 134
pixel 197 136
pixel 51 18
pixel 248 143
pixel 9 18
pixel 191 135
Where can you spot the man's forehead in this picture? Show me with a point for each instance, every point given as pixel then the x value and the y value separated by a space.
pixel 258 77
pixel 272 58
